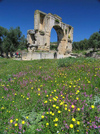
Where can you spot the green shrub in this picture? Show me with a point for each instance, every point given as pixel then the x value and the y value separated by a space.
pixel 57 21
pixel 53 47
pixel 65 62
pixel 66 31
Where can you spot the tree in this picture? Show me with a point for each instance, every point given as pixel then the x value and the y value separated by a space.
pixel 94 40
pixel 12 41
pixel 3 34
pixel 23 43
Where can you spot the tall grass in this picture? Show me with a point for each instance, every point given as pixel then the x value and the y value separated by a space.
pixel 50 96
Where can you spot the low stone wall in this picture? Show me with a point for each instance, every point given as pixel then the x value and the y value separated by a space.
pixel 37 55
pixel 42 55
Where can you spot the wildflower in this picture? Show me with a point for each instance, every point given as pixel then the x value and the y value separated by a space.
pixel 52 114
pixel 46 95
pixel 16 119
pixel 38 94
pixel 23 122
pixel 77 130
pixel 65 105
pixel 54 105
pixel 78 123
pixel 31 87
pixel 57 97
pixel 45 101
pixel 71 126
pixel 38 89
pixel 92 106
pixel 77 98
pixel 78 109
pixel 57 107
pixel 61 103
pixel 11 121
pixel 72 106
pixel 26 117
pixel 47 124
pixel 56 119
pixel 2 108
pixel 65 108
pixel 42 116
pixel 69 110
pixel 27 98
pixel 16 124
pixel 73 119
pixel 47 112
pixel 59 111
pixel 56 125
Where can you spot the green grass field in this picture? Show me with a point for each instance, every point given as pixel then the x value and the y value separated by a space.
pixel 50 96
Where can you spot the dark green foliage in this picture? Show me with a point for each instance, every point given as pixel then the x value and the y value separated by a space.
pixel 70 28
pixel 3 33
pixel 65 62
pixel 66 31
pixel 57 21
pixel 82 45
pixel 23 43
pixel 92 42
pixel 53 47
pixel 11 40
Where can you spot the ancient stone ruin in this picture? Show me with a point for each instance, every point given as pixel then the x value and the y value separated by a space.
pixel 39 38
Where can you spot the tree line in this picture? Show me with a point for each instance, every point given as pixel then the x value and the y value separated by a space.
pixel 11 40
pixel 92 42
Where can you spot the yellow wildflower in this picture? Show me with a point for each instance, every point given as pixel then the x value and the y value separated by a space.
pixel 78 109
pixel 42 116
pixel 56 125
pixel 11 121
pixel 59 111
pixel 72 106
pixel 16 119
pixel 57 107
pixel 73 119
pixel 92 106
pixel 23 122
pixel 45 101
pixel 71 126
pixel 47 124
pixel 16 124
pixel 26 117
pixel 78 123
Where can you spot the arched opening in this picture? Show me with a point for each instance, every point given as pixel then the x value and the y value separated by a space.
pixel 53 40
pixel 55 55
pixel 58 35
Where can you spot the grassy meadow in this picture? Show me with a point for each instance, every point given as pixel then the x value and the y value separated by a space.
pixel 50 96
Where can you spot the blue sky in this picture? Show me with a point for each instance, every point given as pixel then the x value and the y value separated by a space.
pixel 83 15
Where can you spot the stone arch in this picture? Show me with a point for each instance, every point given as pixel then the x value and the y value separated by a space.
pixel 43 23
pixel 60 34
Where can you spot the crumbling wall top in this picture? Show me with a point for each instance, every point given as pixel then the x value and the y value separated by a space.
pixel 38 11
